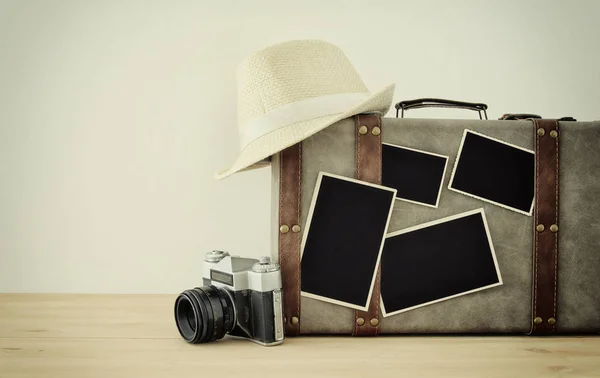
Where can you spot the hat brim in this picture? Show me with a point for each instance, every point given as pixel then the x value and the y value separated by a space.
pixel 255 153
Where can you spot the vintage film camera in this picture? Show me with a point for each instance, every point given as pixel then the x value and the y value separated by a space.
pixel 241 297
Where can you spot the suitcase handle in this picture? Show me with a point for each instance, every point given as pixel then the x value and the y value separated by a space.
pixel 518 116
pixel 440 103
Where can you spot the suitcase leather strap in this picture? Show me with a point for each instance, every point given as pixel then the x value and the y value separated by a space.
pixel 546 227
pixel 290 180
pixel 368 168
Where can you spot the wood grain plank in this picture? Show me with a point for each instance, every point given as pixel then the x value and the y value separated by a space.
pixel 306 356
pixel 134 335
pixel 73 315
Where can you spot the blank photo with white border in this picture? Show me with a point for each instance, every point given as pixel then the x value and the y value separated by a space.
pixel 437 261
pixel 343 239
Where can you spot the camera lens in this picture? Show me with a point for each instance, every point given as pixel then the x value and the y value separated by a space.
pixel 204 314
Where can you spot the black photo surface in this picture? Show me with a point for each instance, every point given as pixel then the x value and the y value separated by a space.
pixel 495 172
pixel 343 240
pixel 416 175
pixel 437 261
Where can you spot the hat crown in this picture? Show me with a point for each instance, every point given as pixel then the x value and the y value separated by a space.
pixel 290 72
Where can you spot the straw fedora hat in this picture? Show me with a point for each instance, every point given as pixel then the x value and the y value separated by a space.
pixel 290 91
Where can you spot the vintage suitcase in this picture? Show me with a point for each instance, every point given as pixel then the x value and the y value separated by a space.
pixel 550 261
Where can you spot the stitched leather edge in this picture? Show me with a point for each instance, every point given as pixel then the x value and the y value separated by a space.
pixel 290 182
pixel 368 168
pixel 545 250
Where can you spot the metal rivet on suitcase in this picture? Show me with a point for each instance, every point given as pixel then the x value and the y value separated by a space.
pixel 552 321
pixel 360 321
pixel 540 228
pixel 537 321
pixel 374 322
pixel 284 229
pixel 553 134
pixel 541 132
pixel 363 130
pixel 376 131
pixel 295 228
pixel 295 320
pixel 554 228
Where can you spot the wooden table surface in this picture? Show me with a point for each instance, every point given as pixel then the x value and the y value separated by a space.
pixel 135 336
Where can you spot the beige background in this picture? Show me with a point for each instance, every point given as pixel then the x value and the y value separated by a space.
pixel 114 115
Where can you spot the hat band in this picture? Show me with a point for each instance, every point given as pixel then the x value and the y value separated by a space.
pixel 294 112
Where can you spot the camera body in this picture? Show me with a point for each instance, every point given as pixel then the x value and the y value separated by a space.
pixel 255 289
pixel 241 297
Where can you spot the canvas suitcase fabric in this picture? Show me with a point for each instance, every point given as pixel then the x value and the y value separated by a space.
pixel 551 280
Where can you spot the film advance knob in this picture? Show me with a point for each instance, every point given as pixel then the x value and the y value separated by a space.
pixel 215 256
pixel 265 265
